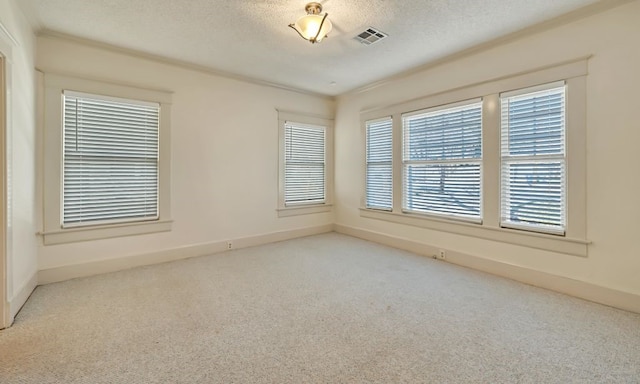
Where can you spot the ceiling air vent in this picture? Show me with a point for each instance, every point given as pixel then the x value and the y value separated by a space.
pixel 370 36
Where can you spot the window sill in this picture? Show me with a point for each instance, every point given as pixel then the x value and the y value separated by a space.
pixel 546 242
pixel 304 210
pixel 441 217
pixel 77 234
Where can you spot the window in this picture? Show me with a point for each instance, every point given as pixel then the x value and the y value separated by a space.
pixel 533 158
pixel 110 160
pixel 502 160
pixel 379 181
pixel 442 160
pixel 108 153
pixel 306 164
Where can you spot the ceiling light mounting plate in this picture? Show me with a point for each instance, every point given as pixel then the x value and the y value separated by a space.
pixel 313 8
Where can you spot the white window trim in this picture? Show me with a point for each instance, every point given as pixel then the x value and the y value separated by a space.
pixel 294 210
pixel 53 232
pixel 574 242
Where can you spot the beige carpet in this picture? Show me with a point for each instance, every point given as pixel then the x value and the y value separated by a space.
pixel 322 309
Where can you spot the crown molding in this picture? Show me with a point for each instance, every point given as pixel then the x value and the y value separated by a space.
pixel 8 35
pixel 581 13
pixel 598 7
pixel 579 60
pixel 45 33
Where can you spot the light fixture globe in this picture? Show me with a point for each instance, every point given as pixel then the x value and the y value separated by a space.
pixel 313 27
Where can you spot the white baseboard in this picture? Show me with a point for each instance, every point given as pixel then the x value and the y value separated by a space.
pixel 16 303
pixel 56 274
pixel 584 290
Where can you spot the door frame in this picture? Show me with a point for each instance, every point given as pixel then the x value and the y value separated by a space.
pixel 4 299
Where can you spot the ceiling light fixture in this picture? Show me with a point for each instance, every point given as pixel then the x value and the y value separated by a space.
pixel 313 26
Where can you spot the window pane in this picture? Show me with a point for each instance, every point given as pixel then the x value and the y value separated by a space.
pixel 379 180
pixel 535 123
pixel 444 135
pixel 379 186
pixel 534 193
pixel 444 189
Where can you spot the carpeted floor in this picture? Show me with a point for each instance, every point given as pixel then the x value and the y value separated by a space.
pixel 321 309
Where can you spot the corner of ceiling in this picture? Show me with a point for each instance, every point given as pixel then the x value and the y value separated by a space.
pixel 49 34
pixel 30 14
pixel 578 14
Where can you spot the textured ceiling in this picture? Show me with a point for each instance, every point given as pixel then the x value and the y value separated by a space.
pixel 251 38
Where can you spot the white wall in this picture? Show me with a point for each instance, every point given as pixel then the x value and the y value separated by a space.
pixel 225 148
pixel 21 146
pixel 224 152
pixel 613 134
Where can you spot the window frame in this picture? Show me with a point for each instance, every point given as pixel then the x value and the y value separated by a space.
pixel 82 149
pixel 291 126
pixel 368 163
pixel 574 241
pixel 53 230
pixel 561 157
pixel 406 163
pixel 284 210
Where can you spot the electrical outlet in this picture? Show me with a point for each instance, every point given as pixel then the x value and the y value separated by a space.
pixel 229 245
pixel 442 254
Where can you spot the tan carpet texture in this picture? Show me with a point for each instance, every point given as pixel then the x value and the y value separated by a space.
pixel 321 309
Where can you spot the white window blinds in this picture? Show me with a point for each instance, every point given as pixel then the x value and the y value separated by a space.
pixel 304 163
pixel 533 158
pixel 442 158
pixel 110 158
pixel 379 180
